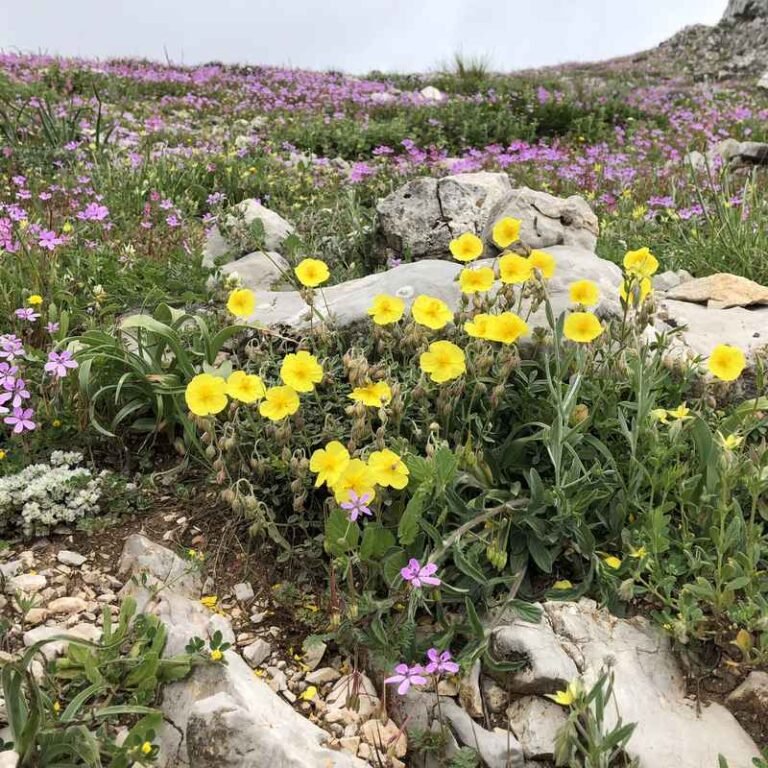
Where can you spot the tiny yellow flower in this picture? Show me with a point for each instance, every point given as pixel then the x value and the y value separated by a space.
pixel 56 423
pixel 245 387
pixel 301 371
pixel 466 247
pixel 35 300
pixel 206 394
pixel 506 328
pixel 731 441
pixel 660 414
pixel 726 362
pixel 146 748
pixel 374 395
pixel 582 327
pixel 3 454
pixel 309 693
pixel 278 403
pixel 567 697
pixel 681 413
pixel 514 268
pixel 612 562
pixel 67 228
pixel 476 280
pixel 638 553
pixel 443 361
pixel 388 469
pixel 584 292
pixel 329 463
pixel 56 707
pixel 506 231
pixel 479 326
pixel 357 478
pixel 562 584
pixel 312 272
pixel 543 262
pixel 641 262
pixel 241 302
pixel 386 309
pixel 216 655
pixel 431 312
pixel 209 601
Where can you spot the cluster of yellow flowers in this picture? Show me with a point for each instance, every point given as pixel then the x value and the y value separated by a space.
pixel 207 394
pixel 345 475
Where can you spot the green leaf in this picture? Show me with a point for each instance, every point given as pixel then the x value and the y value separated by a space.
pixel 377 540
pixel 341 535
pixel 408 528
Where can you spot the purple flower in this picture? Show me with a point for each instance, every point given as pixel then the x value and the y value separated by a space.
pixel 21 420
pixel 357 505
pixel 59 363
pixel 8 375
pixel 406 676
pixel 419 575
pixel 52 328
pixel 18 391
pixel 93 212
pixel 26 313
pixel 4 398
pixel 49 240
pixel 441 663
pixel 11 347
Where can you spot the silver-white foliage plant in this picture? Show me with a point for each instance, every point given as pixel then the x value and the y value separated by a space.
pixel 43 496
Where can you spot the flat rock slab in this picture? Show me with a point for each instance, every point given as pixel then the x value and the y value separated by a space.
pixel 720 291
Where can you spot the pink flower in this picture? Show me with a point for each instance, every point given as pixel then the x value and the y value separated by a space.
pixel 406 676
pixel 93 212
pixel 419 575
pixel 21 420
pixel 440 663
pixel 27 313
pixel 357 506
pixel 60 363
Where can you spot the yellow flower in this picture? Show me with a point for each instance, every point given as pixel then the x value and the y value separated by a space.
pixel 661 414
pixel 506 231
pixel 639 290
pixel 562 584
pixel 3 454
pixel 67 228
pixel 357 478
pixel 372 395
pixel 507 328
pixel 56 707
pixel 309 693
pixel 301 371
pixel 681 413
pixel 638 553
pixel 216 655
pixel 584 292
pixel 726 362
pixel 241 302
pixel 641 262
pixel 386 309
pixel 56 423
pixel 312 272
pixel 543 262
pixel 479 326
pixel 567 697
pixel 146 748
pixel 245 387
pixel 476 280
pixel 278 403
pixel 209 601
pixel 731 441
pixel 206 394
pixel 466 247
pixel 432 312
pixel 582 327
pixel 612 562
pixel 329 463
pixel 514 269
pixel 443 361
pixel 388 469
pixel 35 300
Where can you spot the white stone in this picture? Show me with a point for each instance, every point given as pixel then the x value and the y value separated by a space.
pixel 535 721
pixel 323 675
pixel 29 583
pixel 56 647
pixel 266 269
pixel 67 605
pixel 73 559
pixel 243 592
pixel 257 652
pixel 430 93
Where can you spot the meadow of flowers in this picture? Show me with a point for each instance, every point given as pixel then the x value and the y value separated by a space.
pixel 437 463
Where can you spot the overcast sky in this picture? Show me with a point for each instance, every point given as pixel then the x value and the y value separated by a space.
pixel 353 35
